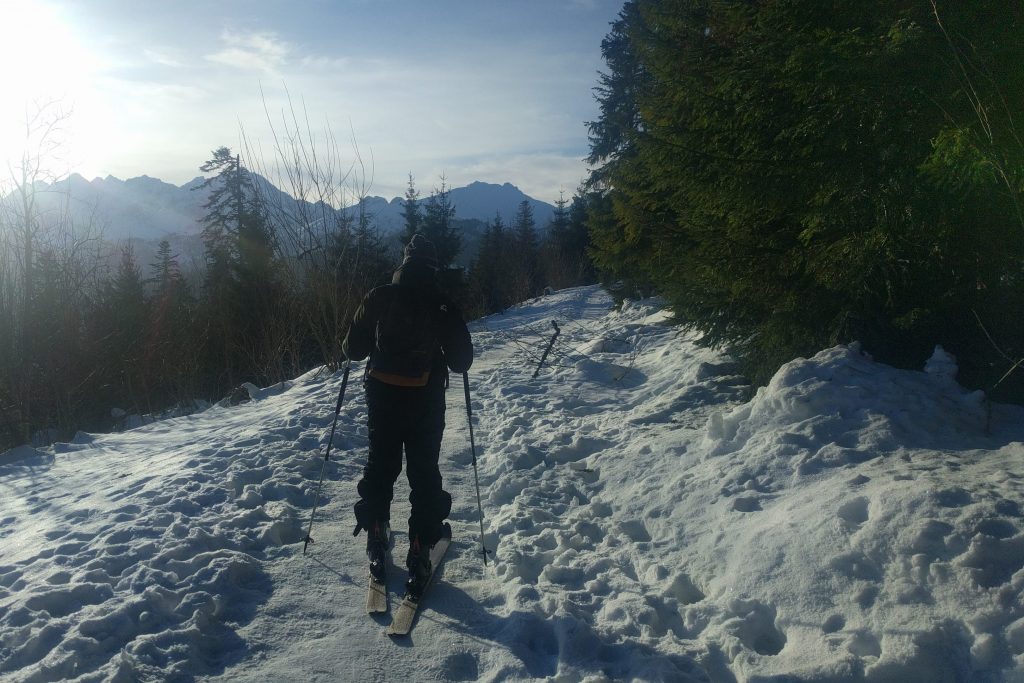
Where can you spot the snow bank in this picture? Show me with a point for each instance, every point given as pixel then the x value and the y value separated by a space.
pixel 875 517
pixel 25 456
pixel 137 556
pixel 849 522
pixel 851 409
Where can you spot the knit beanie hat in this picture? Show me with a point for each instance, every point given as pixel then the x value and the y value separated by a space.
pixel 421 249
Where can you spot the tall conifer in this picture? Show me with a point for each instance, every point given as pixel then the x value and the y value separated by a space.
pixel 793 174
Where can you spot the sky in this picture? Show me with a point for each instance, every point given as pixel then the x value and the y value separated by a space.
pixel 489 90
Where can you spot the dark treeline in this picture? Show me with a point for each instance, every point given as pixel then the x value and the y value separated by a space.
pixel 795 174
pixel 514 263
pixel 81 335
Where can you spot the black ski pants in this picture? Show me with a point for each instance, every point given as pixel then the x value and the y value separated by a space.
pixel 413 418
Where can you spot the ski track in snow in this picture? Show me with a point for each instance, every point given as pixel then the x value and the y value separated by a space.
pixel 649 520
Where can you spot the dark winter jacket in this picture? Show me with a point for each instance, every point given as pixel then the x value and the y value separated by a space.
pixel 417 282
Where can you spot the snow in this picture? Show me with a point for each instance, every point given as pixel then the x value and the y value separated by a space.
pixel 650 519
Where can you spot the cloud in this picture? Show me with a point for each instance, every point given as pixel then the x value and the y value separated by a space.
pixel 495 105
pixel 263 52
pixel 161 58
pixel 327 64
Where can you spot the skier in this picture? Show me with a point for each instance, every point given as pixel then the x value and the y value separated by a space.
pixel 413 335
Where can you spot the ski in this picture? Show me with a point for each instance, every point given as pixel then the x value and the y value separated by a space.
pixel 377 595
pixel 406 614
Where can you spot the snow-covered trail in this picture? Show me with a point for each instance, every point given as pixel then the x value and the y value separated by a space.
pixel 649 520
pixel 128 555
pixel 172 550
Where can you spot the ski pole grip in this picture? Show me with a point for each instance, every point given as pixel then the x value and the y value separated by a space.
pixel 465 386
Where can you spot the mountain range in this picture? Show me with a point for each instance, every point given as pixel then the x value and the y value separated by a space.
pixel 147 209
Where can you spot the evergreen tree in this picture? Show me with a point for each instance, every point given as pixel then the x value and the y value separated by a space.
pixel 566 263
pixel 228 209
pixel 575 243
pixel 243 292
pixel 230 191
pixel 617 252
pixel 559 224
pixel 792 175
pixel 411 211
pixel 526 273
pixel 59 358
pixel 373 262
pixel 439 228
pixel 126 313
pixel 127 290
pixel 172 334
pixel 166 272
pixel 491 273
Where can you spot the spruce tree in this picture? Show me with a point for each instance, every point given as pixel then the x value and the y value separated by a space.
pixel 564 251
pixel 411 212
pixel 791 175
pixel 227 210
pixel 526 273
pixel 127 313
pixel 242 283
pixel 165 272
pixel 438 226
pixel 576 240
pixel 491 273
pixel 171 337
pixel 373 262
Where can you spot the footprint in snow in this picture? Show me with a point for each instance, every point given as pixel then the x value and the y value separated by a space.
pixel 859 480
pixel 1009 508
pixel 854 512
pixel 684 590
pixel 856 565
pixel 866 596
pixel 9 576
pixel 833 624
pixel 746 504
pixel 64 601
pixel 635 530
pixel 660 617
pixel 754 625
pixel 955 497
pixel 994 560
pixel 996 528
pixel 864 644
pixel 579 449
pixel 929 538
pixel 462 666
pixel 59 578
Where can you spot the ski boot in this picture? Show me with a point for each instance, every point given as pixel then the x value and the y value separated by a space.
pixel 418 562
pixel 377 540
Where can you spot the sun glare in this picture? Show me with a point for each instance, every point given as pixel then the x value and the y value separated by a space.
pixel 43 61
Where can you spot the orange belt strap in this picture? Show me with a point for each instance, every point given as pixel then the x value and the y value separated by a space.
pixel 400 380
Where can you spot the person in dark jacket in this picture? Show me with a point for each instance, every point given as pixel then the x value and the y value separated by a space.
pixel 413 335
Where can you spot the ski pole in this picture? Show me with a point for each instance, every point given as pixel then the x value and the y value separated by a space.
pixel 327 456
pixel 476 477
pixel 548 349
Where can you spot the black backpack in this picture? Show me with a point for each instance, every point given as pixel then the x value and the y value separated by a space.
pixel 406 337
